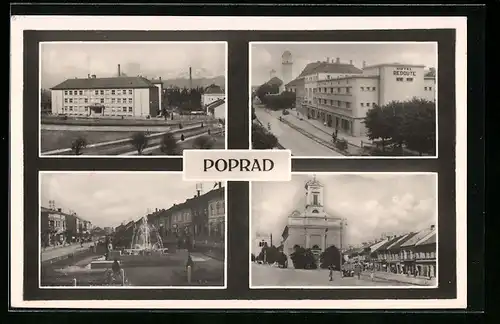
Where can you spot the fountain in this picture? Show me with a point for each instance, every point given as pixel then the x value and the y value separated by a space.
pixel 146 238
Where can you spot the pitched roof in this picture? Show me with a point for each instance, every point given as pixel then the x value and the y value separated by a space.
pixel 417 237
pixel 387 244
pixel 105 83
pixel 325 67
pixel 395 64
pixel 430 238
pixel 213 89
pixel 295 82
pixel 377 245
pixel 401 241
pixel 275 81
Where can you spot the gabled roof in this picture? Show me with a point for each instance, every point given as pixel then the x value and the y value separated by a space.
pixel 325 67
pixel 401 241
pixel 104 83
pixel 387 244
pixel 377 245
pixel 417 237
pixel 430 238
pixel 295 82
pixel 275 81
pixel 213 89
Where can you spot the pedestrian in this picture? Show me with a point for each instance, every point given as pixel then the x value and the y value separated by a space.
pixel 372 275
pixel 330 267
pixel 182 137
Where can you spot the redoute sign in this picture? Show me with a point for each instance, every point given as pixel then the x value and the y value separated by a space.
pixel 404 71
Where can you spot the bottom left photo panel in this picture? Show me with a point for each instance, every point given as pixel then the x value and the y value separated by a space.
pixel 131 230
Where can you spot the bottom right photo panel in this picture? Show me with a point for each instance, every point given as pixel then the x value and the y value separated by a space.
pixel 344 230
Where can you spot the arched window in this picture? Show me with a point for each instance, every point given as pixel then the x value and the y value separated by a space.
pixel 315 247
pixel 315 211
pixel 217 208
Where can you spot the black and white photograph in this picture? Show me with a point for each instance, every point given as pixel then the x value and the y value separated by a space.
pixel 345 230
pixel 131 230
pixel 131 98
pixel 345 99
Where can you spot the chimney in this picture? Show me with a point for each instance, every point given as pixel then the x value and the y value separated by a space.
pixel 350 62
pixel 190 79
pixel 119 72
pixel 364 64
pixel 159 78
pixel 88 76
pixel 338 60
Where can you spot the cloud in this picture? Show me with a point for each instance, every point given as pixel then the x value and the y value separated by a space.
pixel 107 199
pixel 371 205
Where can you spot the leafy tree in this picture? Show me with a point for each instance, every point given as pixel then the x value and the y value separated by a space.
pixel 204 142
pixel 266 89
pixel 330 257
pixel 139 141
pixel 303 258
pixel 262 139
pixel 419 126
pixel 282 101
pixel 169 144
pixel 252 257
pixel 377 125
pixel 78 145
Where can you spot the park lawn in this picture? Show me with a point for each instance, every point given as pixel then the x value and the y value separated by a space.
pixel 54 140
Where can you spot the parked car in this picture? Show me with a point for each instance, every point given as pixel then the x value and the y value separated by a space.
pixel 285 112
pixel 348 269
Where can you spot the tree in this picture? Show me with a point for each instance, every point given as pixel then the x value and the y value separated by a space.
pixel 419 126
pixel 303 258
pixel 262 139
pixel 266 89
pixel 284 100
pixel 169 144
pixel 330 257
pixel 377 125
pixel 139 141
pixel 78 145
pixel 204 142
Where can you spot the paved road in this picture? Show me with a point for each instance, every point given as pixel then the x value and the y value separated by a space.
pixel 299 144
pixel 127 128
pixel 62 251
pixel 265 275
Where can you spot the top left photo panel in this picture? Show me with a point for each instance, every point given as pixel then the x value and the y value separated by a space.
pixel 131 99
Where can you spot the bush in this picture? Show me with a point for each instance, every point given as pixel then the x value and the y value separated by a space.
pixel 262 139
pixel 78 145
pixel 341 144
pixel 169 144
pixel 252 257
pixel 139 141
pixel 303 259
pixel 330 257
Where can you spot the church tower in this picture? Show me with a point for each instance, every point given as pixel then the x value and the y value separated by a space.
pixel 314 199
pixel 286 67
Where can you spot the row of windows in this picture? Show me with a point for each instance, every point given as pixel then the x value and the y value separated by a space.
pixel 337 103
pixel 117 109
pixel 428 88
pixel 367 104
pixel 402 79
pixel 331 90
pixel 368 88
pixel 57 224
pixel 418 255
pixel 217 208
pixel 102 100
pixel 97 92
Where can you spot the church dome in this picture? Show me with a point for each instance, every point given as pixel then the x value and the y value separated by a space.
pixel 313 183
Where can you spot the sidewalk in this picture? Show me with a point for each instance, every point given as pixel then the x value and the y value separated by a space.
pixel 56 253
pixel 418 281
pixel 320 131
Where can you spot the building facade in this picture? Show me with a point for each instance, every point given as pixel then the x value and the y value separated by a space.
pixel 58 227
pixel 98 97
pixel 216 213
pixel 313 228
pixel 261 240
pixel 211 94
pixel 340 94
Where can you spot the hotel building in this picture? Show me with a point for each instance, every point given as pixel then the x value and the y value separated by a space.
pixel 340 94
pixel 116 96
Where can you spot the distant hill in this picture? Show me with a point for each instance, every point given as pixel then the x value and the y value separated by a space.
pixel 197 82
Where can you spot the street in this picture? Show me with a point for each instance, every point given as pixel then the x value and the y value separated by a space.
pixel 62 251
pixel 299 144
pixel 265 275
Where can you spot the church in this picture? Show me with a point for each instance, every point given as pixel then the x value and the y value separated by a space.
pixel 311 227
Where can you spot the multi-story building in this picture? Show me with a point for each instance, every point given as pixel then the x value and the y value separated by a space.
pixel 58 226
pixel 261 240
pixel 412 247
pixel 115 96
pixel 340 94
pixel 216 212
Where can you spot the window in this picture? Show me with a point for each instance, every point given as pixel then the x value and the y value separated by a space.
pixel 112 92
pixel 347 90
pixel 373 88
pixel 96 92
pixel 102 92
pixel 118 100
pixel 124 92
pixel 71 92
pixel 130 92
pixel 86 100
pixel 81 93
pixel 129 109
pixel 367 104
pixel 362 88
pixel 66 92
pixel 66 100
pixel 430 88
pixel 315 199
pixel 124 109
pixel 102 100
pixel 71 100
pixel 112 100
pixel 129 100
pixel 399 79
pixel 425 88
pixel 362 104
pixel 348 105
pixel 409 79
pixel 373 104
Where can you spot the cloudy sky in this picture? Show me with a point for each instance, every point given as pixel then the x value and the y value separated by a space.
pixel 265 57
pixel 109 199
pixel 372 203
pixel 60 61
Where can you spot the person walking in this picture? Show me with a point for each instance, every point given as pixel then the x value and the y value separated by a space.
pixel 330 267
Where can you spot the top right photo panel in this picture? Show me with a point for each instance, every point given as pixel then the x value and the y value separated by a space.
pixel 362 99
